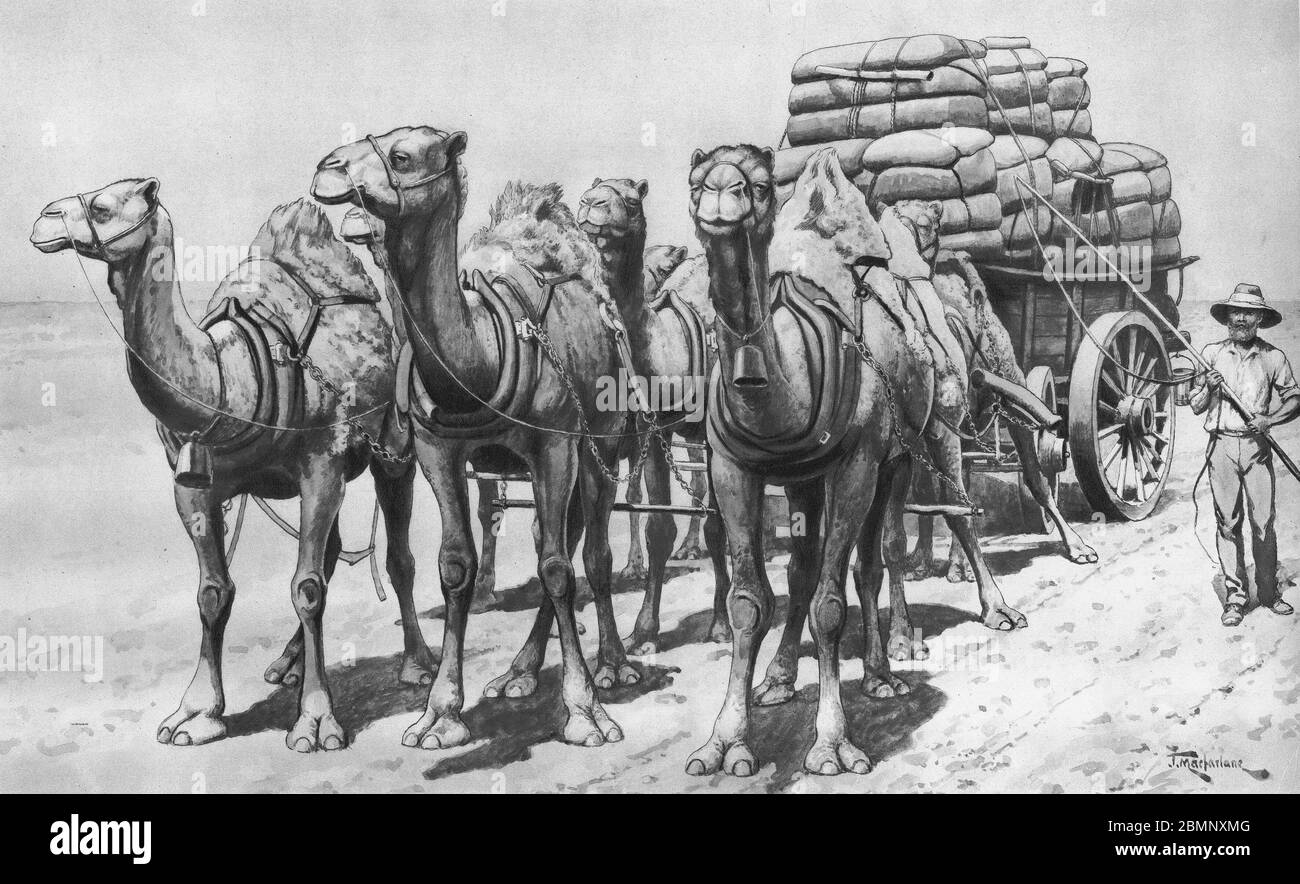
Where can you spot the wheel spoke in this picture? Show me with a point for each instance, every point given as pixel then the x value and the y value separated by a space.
pixel 1109 431
pixel 1132 354
pixel 1110 458
pixel 1108 381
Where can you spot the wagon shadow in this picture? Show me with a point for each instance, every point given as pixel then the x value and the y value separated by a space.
pixel 363 693
pixel 505 731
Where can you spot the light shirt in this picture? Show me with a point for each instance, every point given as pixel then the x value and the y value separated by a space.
pixel 1255 373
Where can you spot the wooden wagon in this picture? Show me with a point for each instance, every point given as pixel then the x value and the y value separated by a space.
pixel 1118 428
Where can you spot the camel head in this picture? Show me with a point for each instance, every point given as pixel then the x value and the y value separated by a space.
pixel 414 170
pixel 611 210
pixel 660 262
pixel 731 192
pixel 923 216
pixel 109 224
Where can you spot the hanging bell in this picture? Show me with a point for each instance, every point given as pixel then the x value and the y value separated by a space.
pixel 749 369
pixel 194 465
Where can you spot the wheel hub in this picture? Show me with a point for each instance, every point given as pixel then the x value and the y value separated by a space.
pixel 1137 414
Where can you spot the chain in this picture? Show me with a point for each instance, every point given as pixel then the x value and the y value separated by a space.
pixel 377 448
pixel 667 449
pixel 915 452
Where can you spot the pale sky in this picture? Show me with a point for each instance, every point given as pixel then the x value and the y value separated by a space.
pixel 232 109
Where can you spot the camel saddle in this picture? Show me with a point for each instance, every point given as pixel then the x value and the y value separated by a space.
pixel 515 318
pixel 257 334
pixel 666 302
pixel 835 370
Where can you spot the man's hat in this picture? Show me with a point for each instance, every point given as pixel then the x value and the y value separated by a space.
pixel 1246 296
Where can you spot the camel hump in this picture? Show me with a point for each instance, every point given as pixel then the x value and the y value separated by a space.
pixel 299 236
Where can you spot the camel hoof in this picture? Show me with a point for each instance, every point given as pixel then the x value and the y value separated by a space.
pixel 191 728
pixel 772 692
pixel 285 670
pixel 884 687
pixel 632 573
pixel 960 572
pixel 828 758
pixel 719 756
pixel 310 733
pixel 512 686
pixel 432 731
pixel 1005 619
pixel 590 726
pixel 688 551
pixel 608 676
pixel 1084 555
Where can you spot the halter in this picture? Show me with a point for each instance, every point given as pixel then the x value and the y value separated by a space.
pixel 96 242
pixel 396 183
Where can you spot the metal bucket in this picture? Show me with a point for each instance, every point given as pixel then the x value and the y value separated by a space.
pixel 1183 370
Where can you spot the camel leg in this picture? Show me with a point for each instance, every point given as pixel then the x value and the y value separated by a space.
pixel 520 680
pixel 597 496
pixel 904 644
pixel 877 680
pixel 554 466
pixel 690 547
pixel 287 668
pixel 1076 550
pixel 995 611
pixel 739 496
pixel 851 493
pixel 198 718
pixel 635 568
pixel 489 520
pixel 801 576
pixel 661 531
pixel 715 540
pixel 396 493
pixel 321 496
pixel 919 561
pixel 440 726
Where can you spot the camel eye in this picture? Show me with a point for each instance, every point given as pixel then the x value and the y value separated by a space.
pixel 399 159
pixel 760 190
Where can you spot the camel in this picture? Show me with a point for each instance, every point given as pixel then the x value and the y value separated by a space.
pixel 791 405
pixel 504 370
pixel 666 338
pixel 273 429
pixel 987 345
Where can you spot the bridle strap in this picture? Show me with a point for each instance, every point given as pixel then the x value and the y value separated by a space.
pixel 96 242
pixel 394 182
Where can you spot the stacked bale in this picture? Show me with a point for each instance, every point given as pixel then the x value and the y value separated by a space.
pixel 1068 95
pixel 1017 87
pixel 1141 189
pixel 847 96
pixel 952 165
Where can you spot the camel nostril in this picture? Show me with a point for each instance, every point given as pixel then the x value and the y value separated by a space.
pixel 52 213
pixel 333 163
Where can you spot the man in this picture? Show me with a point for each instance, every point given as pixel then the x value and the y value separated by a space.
pixel 1240 460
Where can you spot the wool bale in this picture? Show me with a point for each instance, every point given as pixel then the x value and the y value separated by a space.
pixel 790 161
pixel 981 245
pixel 1166 250
pixel 1130 187
pixel 1037 175
pixel 1017 89
pixel 968 176
pixel 876 120
pixel 1067 93
pixel 1060 66
pixel 1168 220
pixel 1011 150
pixel 1006 61
pixel 938 148
pixel 1127 155
pixel 918 52
pixel 1074 155
pixel 842 92
pixel 1006 42
pixel 1018 230
pixel 1036 120
pixel 982 211
pixel 1162 184
pixel 1072 124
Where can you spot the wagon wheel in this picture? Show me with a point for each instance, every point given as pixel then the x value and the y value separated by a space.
pixel 1042 383
pixel 1121 428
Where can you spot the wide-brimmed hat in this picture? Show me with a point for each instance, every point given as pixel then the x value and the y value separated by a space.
pixel 1246 296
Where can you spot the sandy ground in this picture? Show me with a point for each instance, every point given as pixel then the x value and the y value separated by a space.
pixel 1123 663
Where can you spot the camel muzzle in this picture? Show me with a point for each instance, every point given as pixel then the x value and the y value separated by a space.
pixel 749 368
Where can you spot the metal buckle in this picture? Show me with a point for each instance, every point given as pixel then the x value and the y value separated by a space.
pixel 825 437
pixel 525 330
pixel 279 353
pixel 711 339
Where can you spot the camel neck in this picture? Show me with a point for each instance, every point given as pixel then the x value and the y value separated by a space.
pixel 738 289
pixel 162 335
pixel 622 264
pixel 423 252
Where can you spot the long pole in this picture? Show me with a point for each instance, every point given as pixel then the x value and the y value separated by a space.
pixel 1224 390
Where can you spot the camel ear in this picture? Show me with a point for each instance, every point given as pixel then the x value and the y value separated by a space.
pixel 595 182
pixel 148 188
pixel 642 188
pixel 697 157
pixel 769 157
pixel 455 144
pixel 936 208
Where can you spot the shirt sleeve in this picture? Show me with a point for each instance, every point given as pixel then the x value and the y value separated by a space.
pixel 1284 380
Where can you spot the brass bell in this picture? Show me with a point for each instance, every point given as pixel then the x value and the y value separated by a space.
pixel 194 465
pixel 749 369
